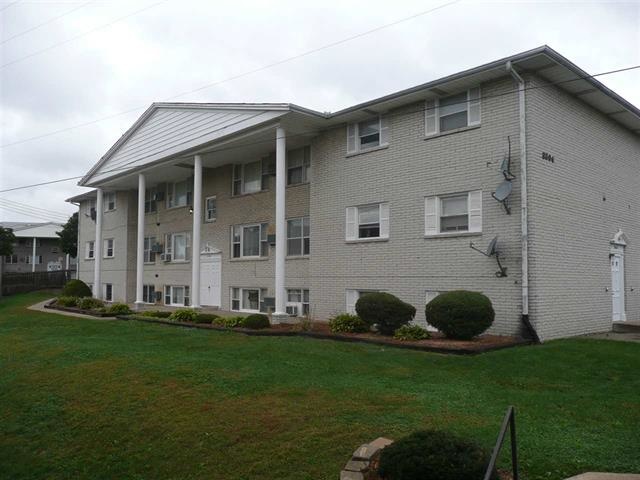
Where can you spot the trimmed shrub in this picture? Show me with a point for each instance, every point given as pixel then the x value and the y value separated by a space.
pixel 156 314
pixel 90 303
pixel 384 310
pixel 347 323
pixel 229 322
pixel 256 321
pixel 433 454
pixel 67 301
pixel 460 314
pixel 183 315
pixel 411 332
pixel 76 288
pixel 119 309
pixel 205 317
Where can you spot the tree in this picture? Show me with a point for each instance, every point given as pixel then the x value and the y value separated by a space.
pixel 69 236
pixel 7 239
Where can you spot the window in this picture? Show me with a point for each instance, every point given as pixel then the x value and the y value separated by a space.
pixel 109 201
pixel 352 298
pixel 368 222
pixel 9 259
pixel 367 134
pixel 176 295
pixel 298 166
pixel 245 299
pixel 149 293
pixel 298 302
pixel 177 246
pixel 252 177
pixel 108 248
pixel 89 249
pixel 179 194
pixel 298 237
pixel 249 241
pixel 453 112
pixel 37 257
pixel 149 255
pixel 91 208
pixel 150 196
pixel 107 292
pixel 210 209
pixel 451 214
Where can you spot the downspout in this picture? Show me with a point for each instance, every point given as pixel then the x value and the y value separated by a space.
pixel 524 219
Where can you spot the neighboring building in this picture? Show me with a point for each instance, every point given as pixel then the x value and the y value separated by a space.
pixel 242 205
pixel 37 248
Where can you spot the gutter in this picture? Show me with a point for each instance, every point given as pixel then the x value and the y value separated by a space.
pixel 524 219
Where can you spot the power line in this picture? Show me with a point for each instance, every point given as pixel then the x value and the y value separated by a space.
pixel 6 201
pixel 27 214
pixel 47 22
pixel 234 77
pixel 25 211
pixel 8 5
pixel 69 40
pixel 398 114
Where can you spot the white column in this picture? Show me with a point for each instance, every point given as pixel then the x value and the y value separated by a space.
pixel 195 234
pixel 66 262
pixel 140 241
pixel 281 227
pixel 33 255
pixel 97 247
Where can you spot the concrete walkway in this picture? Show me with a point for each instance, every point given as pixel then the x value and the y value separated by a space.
pixel 39 307
pixel 606 476
pixel 617 336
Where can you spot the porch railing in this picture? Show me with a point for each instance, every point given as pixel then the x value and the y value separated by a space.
pixel 509 422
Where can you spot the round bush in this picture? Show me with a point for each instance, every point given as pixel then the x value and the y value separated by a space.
pixel 205 317
pixel 256 321
pixel 156 314
pixel 411 332
pixel 384 310
pixel 433 454
pixel 119 309
pixel 76 288
pixel 347 323
pixel 183 315
pixel 229 322
pixel 90 303
pixel 460 314
pixel 67 301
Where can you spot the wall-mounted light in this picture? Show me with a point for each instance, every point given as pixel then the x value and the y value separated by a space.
pixel 190 210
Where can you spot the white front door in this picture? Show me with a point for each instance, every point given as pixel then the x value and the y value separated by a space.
pixel 617 287
pixel 210 279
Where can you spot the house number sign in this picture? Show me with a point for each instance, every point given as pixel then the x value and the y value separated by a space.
pixel 548 157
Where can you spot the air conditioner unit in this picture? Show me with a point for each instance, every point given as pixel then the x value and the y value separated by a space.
pixel 165 257
pixel 156 248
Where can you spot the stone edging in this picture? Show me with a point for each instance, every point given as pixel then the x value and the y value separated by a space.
pixel 363 463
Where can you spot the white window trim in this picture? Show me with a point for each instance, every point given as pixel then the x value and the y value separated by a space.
pixel 351 298
pixel 432 211
pixel 353 131
pixel 151 192
pixel 105 249
pixel 299 305
pixel 170 247
pixel 104 292
pixel 306 162
pixel 206 210
pixel 39 257
pixel 428 296
pixel 242 179
pixel 352 228
pixel 146 287
pixel 171 194
pixel 241 290
pixel 87 250
pixel 432 114
pixel 184 295
pixel 305 220
pixel 150 243
pixel 107 195
pixel 261 254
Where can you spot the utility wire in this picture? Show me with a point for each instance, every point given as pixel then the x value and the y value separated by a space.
pixel 8 5
pixel 84 34
pixel 13 203
pixel 125 166
pixel 234 77
pixel 25 211
pixel 29 214
pixel 47 22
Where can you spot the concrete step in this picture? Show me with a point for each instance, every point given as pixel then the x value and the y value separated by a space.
pixel 626 327
pixel 605 476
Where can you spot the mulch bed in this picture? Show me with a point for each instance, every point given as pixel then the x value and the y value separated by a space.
pixel 320 330
pixel 52 305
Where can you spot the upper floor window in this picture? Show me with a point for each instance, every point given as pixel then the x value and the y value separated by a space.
pixel 179 194
pixel 368 134
pixel 150 198
pixel 368 222
pixel 298 236
pixel 38 259
pixel 210 209
pixel 298 166
pixel 109 201
pixel 456 213
pixel 91 209
pixel 149 254
pixel 249 240
pixel 453 112
pixel 252 177
pixel 108 248
pixel 177 247
pixel 89 250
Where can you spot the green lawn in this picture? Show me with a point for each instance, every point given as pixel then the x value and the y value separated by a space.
pixel 111 399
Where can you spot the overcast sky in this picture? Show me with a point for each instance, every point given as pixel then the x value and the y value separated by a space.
pixel 175 46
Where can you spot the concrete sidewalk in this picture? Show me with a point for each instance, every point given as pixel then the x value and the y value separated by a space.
pixel 39 307
pixel 605 476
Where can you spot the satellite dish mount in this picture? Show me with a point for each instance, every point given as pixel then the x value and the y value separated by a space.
pixel 504 189
pixel 492 251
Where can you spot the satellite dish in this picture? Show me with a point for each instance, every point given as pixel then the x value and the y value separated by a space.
pixel 492 251
pixel 502 193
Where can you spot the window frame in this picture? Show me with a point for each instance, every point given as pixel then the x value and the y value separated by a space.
pixel 149 257
pixel 8 259
pixel 109 197
pixel 441 216
pixel 39 257
pixel 304 305
pixel 433 214
pixel 305 166
pixel 354 144
pixel 107 287
pixel 171 194
pixel 263 244
pixel 207 218
pixel 150 203
pixel 147 290
pixel 90 250
pixel 353 225
pixel 186 295
pixel 240 291
pixel 360 292
pixel 170 246
pixel 304 245
pixel 433 113
pixel 266 168
pixel 105 248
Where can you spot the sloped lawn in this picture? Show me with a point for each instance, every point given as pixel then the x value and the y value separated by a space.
pixel 100 399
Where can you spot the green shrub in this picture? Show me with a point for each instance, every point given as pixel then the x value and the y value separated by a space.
pixel 76 288
pixel 347 323
pixel 411 332
pixel 229 322
pixel 433 454
pixel 119 309
pixel 256 321
pixel 90 303
pixel 64 301
pixel 384 310
pixel 156 314
pixel 183 315
pixel 460 314
pixel 205 317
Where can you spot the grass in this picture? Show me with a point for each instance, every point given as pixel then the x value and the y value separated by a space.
pixel 105 399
